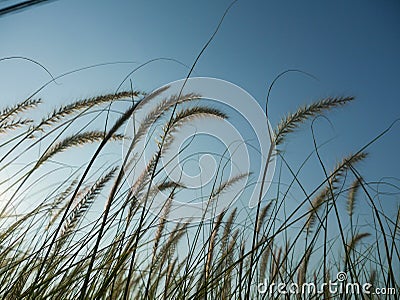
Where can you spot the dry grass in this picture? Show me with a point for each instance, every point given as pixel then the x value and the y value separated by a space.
pixel 65 245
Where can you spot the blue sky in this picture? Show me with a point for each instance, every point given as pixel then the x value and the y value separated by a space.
pixel 350 46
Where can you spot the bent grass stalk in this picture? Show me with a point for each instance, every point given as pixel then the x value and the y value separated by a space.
pixel 66 247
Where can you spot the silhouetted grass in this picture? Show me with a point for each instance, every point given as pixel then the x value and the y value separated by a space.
pixel 77 229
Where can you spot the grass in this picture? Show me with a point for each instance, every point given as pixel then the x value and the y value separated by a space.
pixel 74 227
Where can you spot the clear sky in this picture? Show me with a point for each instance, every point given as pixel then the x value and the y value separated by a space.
pixel 352 47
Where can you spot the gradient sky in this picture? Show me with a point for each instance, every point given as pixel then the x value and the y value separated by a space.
pixel 352 47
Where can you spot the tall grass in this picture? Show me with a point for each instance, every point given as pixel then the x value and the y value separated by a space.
pixel 72 227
